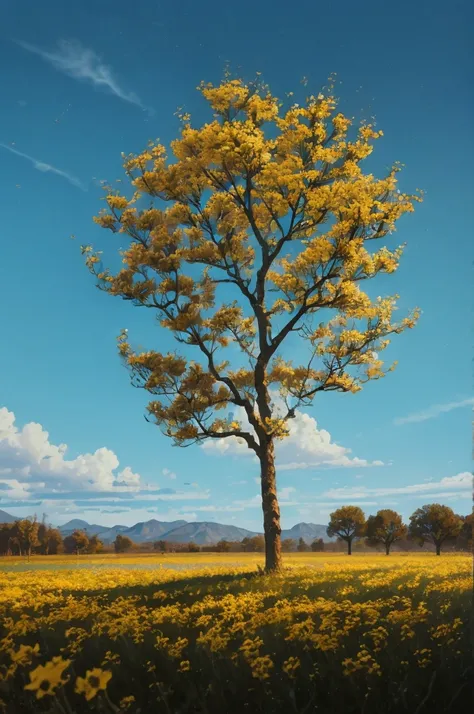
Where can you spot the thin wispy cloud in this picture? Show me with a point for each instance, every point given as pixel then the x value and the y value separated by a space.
pixel 433 411
pixel 46 168
pixel 81 63
pixel 459 485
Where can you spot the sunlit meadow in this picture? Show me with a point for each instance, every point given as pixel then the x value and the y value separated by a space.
pixel 212 633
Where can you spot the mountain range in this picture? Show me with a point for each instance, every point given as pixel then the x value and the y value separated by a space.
pixel 6 517
pixel 201 533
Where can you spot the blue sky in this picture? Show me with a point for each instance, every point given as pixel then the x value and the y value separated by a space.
pixel 87 81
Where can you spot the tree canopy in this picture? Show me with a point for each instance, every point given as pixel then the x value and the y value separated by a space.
pixel 385 527
pixel 347 523
pixel 434 523
pixel 76 542
pixel 262 225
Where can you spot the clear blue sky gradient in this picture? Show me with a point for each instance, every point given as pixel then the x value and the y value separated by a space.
pixel 408 64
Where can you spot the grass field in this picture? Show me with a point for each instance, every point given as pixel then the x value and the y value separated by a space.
pixel 206 632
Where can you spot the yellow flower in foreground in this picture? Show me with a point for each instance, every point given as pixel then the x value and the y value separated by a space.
pixel 126 701
pixel 261 667
pixel 291 665
pixel 24 654
pixel 185 665
pixel 95 680
pixel 46 678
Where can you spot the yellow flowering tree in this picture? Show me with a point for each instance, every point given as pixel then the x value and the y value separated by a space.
pixel 261 228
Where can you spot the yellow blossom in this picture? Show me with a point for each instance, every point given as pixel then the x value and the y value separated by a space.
pixel 94 681
pixel 45 679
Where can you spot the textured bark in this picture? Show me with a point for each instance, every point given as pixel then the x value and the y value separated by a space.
pixel 271 509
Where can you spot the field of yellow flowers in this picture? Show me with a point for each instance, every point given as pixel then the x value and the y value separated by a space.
pixel 367 634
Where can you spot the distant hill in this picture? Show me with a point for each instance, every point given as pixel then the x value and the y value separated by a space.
pixel 75 524
pixel 152 530
pixel 109 534
pixel 90 528
pixel 201 533
pixel 6 517
pixel 206 533
pixel 174 531
pixel 307 531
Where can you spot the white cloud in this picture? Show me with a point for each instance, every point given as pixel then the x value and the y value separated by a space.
pixel 12 488
pixel 228 446
pixel 184 517
pixel 29 461
pixel 284 494
pixel 175 496
pixel 46 168
pixel 254 502
pixel 306 447
pixel 169 474
pixel 462 482
pixel 81 63
pixel 128 478
pixel 319 508
pixel 433 411
pixel 218 509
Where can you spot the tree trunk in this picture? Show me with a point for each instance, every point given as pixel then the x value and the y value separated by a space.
pixel 349 547
pixel 271 509
pixel 438 548
pixel 387 548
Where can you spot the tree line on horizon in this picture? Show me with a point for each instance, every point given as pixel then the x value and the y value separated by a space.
pixel 434 524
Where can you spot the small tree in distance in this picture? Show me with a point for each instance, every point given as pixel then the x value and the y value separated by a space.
pixel 122 543
pixel 54 541
pixel 385 527
pixel 288 545
pixel 95 545
pixel 270 225
pixel 466 532
pixel 255 544
pixel 434 523
pixel 76 543
pixel 161 545
pixel 317 545
pixel 347 522
pixel 27 529
pixel 223 546
pixel 302 546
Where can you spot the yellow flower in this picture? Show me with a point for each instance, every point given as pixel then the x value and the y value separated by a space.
pixel 126 701
pixel 261 667
pixel 291 665
pixel 185 666
pixel 24 654
pixel 95 680
pixel 46 678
